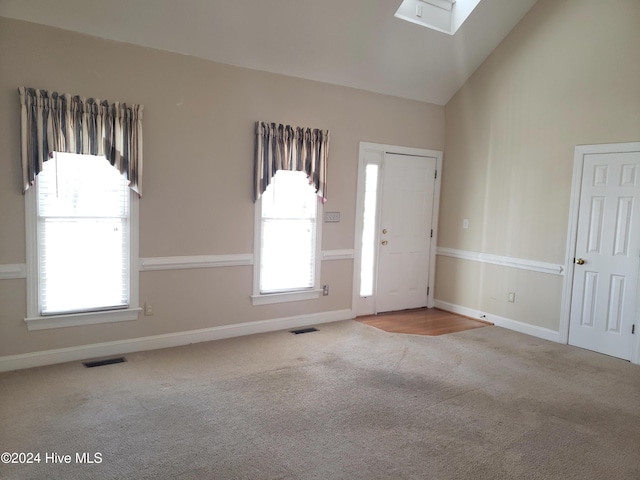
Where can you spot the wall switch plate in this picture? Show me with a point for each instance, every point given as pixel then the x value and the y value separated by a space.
pixel 465 223
pixel 148 309
pixel 325 290
pixel 512 297
pixel 331 217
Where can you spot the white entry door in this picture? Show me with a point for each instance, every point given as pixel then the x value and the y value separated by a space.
pixel 406 212
pixel 607 255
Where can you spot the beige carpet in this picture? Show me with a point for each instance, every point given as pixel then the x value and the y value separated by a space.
pixel 346 402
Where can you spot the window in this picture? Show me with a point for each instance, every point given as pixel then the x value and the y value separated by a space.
pixel 82 234
pixel 445 16
pixel 287 266
pixel 367 263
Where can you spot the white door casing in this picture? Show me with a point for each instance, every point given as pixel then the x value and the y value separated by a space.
pixel 601 309
pixel 380 155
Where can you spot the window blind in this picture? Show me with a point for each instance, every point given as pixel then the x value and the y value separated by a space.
pixel 288 240
pixel 83 235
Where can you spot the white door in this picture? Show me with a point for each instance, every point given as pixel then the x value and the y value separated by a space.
pixel 406 212
pixel 607 255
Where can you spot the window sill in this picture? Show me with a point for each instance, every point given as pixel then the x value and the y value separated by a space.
pixel 79 319
pixel 269 298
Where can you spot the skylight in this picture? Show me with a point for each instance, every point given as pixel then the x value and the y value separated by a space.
pixel 445 16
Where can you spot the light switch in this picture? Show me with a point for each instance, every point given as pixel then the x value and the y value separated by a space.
pixel 331 217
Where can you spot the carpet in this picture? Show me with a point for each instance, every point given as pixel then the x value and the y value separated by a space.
pixel 345 402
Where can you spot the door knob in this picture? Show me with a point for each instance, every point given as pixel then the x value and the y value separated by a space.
pixel 384 242
pixel 580 261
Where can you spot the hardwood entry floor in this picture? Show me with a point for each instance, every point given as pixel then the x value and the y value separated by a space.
pixel 422 321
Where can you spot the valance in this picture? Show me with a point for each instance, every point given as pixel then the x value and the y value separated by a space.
pixel 53 122
pixel 283 147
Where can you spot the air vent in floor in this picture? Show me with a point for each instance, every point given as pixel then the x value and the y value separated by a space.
pixel 304 330
pixel 108 361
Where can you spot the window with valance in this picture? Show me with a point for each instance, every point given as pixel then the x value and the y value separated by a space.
pixel 290 186
pixel 82 178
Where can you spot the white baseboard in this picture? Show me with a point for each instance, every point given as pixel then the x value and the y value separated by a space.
pixel 515 325
pixel 97 350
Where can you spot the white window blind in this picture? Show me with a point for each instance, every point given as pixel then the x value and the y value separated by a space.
pixel 83 235
pixel 288 234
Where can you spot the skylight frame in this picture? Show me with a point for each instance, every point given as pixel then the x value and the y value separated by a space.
pixel 445 16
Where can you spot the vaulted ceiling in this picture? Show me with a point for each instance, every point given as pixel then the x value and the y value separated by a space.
pixel 354 43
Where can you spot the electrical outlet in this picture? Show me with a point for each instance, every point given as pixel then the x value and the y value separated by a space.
pixel 325 290
pixel 465 223
pixel 148 309
pixel 512 297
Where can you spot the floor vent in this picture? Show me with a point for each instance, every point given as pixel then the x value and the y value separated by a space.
pixel 304 330
pixel 108 361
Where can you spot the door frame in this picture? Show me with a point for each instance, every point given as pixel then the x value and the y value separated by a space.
pixel 380 150
pixel 581 151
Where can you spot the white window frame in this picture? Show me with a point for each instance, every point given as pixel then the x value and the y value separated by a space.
pixel 34 320
pixel 315 292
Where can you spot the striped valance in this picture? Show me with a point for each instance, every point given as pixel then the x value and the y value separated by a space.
pixel 53 122
pixel 283 147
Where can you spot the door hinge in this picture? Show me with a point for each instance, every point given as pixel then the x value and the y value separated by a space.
pixel 432 233
pixel 436 174
pixel 428 288
pixel 633 328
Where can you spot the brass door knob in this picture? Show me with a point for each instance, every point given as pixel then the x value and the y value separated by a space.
pixel 384 242
pixel 580 261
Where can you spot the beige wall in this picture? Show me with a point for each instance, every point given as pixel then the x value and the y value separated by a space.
pixel 568 74
pixel 198 147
